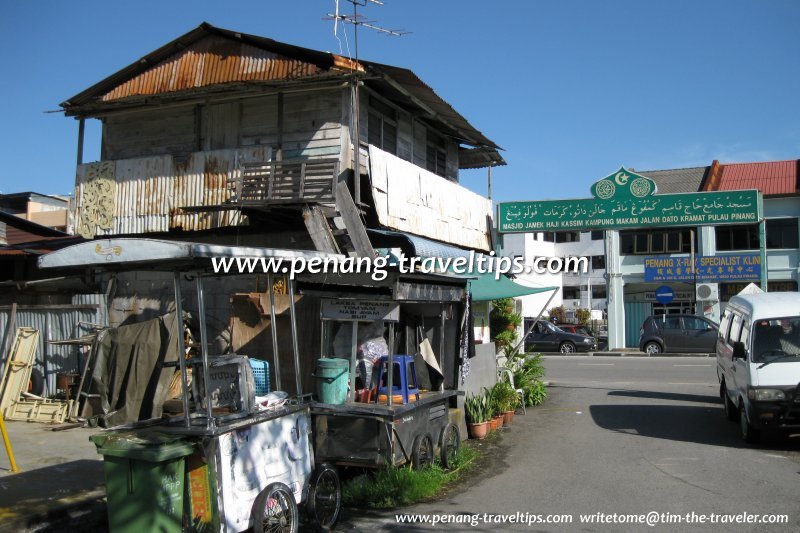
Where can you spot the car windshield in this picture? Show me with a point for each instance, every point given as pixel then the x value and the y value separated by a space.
pixel 776 339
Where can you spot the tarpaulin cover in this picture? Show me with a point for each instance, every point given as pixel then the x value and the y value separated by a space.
pixel 128 372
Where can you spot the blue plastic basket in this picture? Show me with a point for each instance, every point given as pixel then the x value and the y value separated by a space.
pixel 260 376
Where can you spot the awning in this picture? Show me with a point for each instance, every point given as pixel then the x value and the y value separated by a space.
pixel 482 286
pixel 486 287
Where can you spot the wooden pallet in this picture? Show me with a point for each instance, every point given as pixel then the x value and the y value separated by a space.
pixel 43 410
pixel 17 373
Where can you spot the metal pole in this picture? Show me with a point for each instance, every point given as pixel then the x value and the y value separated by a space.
pixel 353 361
pixel 539 316
pixel 273 326
pixel 9 451
pixel 691 265
pixel 762 249
pixel 490 182
pixel 181 349
pixel 295 347
pixel 201 313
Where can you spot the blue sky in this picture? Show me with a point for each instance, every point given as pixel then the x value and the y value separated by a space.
pixel 570 89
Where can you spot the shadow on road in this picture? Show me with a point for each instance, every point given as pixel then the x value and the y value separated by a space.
pixel 672 396
pixel 687 423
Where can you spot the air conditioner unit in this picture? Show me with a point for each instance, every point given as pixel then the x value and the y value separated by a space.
pixel 707 292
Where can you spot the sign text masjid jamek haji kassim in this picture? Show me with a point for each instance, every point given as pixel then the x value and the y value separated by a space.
pixel 628 200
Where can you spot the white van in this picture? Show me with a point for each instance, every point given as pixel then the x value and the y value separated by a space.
pixel 758 362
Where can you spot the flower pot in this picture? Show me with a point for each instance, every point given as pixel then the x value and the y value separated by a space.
pixel 496 422
pixel 478 431
pixel 508 418
pixel 510 327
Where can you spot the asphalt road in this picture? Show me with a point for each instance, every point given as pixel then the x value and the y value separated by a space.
pixel 628 436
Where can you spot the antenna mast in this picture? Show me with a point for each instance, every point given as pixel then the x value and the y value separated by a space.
pixel 358 20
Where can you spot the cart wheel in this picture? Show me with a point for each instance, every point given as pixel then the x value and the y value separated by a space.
pixel 422 452
pixel 324 497
pixel 275 510
pixel 449 444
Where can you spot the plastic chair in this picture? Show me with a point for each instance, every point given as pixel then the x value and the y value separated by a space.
pixel 405 370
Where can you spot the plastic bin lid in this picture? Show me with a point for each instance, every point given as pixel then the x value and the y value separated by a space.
pixel 153 447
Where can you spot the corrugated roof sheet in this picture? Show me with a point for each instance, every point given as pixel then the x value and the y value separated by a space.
pixel 188 63
pixel 771 178
pixel 676 180
pixel 211 61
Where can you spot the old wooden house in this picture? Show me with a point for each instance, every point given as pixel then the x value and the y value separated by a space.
pixel 226 137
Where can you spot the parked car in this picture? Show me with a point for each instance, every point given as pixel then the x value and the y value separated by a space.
pixel 576 329
pixel 758 362
pixel 545 337
pixel 677 333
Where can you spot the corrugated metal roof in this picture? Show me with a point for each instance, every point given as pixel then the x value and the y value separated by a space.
pixel 771 178
pixel 211 61
pixel 425 97
pixel 480 157
pixel 181 65
pixel 676 180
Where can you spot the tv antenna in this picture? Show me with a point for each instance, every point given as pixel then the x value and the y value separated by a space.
pixel 357 20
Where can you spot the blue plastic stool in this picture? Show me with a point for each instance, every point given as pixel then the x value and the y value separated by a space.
pixel 405 370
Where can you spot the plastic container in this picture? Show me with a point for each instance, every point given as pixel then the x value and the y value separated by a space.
pixel 145 480
pixel 332 376
pixel 260 376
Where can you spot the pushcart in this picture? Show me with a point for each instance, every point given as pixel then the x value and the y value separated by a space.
pixel 380 431
pixel 223 463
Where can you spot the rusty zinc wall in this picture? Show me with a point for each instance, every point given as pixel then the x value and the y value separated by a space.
pixel 146 194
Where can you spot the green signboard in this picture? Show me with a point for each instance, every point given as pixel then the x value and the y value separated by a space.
pixel 628 200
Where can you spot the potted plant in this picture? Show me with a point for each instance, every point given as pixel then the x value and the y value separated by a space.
pixel 506 400
pixel 496 420
pixel 504 339
pixel 476 407
pixel 514 321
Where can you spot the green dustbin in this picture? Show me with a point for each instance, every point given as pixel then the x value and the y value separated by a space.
pixel 144 480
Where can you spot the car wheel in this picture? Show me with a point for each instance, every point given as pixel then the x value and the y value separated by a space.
pixel 731 412
pixel 567 347
pixel 749 433
pixel 652 348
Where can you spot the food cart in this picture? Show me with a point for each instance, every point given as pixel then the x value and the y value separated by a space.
pixel 371 429
pixel 225 462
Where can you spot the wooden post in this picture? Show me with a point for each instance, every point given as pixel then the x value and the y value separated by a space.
pixel 81 127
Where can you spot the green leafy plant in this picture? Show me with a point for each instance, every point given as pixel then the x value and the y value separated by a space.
pixel 400 486
pixel 583 316
pixel 535 393
pixel 477 408
pixel 558 313
pixel 505 339
pixel 503 321
pixel 504 397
